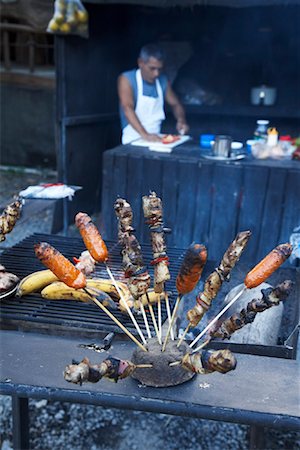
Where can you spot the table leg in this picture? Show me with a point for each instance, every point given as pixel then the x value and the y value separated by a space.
pixel 256 438
pixel 20 414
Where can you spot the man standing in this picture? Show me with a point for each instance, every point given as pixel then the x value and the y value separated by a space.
pixel 142 93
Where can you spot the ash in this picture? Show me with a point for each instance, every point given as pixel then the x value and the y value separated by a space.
pixel 55 425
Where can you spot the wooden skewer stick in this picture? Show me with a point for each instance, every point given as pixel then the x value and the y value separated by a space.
pixel 175 363
pixel 145 320
pixel 169 314
pixel 104 309
pixel 235 298
pixel 172 321
pixel 183 336
pixel 144 366
pixel 125 304
pixel 159 317
pixel 153 319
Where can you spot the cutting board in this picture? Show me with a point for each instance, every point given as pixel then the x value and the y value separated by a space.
pixel 158 146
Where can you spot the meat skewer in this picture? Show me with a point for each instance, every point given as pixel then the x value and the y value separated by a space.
pixel 9 217
pixel 256 276
pixel 72 277
pixel 216 278
pixel 8 280
pixel 189 275
pixel 98 251
pixel 133 264
pixel 208 361
pixel 111 368
pixel 270 297
pixel 153 213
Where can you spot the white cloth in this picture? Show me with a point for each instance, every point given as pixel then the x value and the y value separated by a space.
pixel 149 110
pixel 54 191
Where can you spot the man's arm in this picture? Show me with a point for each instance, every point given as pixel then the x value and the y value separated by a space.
pixel 177 108
pixel 127 104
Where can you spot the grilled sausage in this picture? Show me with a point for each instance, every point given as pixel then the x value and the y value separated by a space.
pixel 191 268
pixel 91 237
pixel 268 265
pixel 59 265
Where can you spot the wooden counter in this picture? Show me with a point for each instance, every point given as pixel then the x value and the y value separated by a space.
pixel 205 200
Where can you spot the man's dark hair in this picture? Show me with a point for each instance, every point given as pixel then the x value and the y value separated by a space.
pixel 151 50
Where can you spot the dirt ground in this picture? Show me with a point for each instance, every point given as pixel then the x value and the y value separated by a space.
pixel 55 425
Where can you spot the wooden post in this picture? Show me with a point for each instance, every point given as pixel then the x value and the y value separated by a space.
pixel 6 50
pixel 20 414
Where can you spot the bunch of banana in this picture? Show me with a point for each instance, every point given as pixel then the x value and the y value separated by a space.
pixel 45 282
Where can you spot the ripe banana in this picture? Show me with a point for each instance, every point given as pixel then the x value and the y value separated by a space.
pixel 152 296
pixel 60 291
pixel 106 285
pixel 43 279
pixel 35 282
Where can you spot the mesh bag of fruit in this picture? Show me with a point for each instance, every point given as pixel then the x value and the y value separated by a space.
pixel 70 17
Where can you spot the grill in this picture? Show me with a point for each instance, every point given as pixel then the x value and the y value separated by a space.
pixel 33 312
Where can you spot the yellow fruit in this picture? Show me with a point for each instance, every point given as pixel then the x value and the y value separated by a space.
pixel 106 285
pixel 82 16
pixel 35 282
pixel 53 25
pixel 58 18
pixel 60 291
pixel 65 28
pixel 153 297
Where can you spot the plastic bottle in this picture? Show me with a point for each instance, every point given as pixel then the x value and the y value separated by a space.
pixel 261 130
pixel 272 137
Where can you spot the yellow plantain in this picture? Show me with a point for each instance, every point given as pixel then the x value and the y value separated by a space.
pixel 153 297
pixel 60 291
pixel 35 282
pixel 106 285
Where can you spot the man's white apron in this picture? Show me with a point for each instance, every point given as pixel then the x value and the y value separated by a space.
pixel 149 110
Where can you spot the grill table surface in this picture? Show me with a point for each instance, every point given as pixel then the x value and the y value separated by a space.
pixel 260 391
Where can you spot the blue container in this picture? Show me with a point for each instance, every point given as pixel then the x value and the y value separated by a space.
pixel 206 140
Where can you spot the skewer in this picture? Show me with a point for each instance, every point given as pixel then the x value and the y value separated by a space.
pixel 172 321
pixel 169 314
pixel 214 320
pixel 175 363
pixel 104 309
pixel 143 366
pixel 145 320
pixel 159 317
pixel 183 336
pixel 153 319
pixel 125 303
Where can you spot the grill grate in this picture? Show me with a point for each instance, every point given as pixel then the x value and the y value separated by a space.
pixel 51 315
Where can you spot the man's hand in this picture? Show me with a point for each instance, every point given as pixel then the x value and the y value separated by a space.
pixel 178 110
pixel 151 137
pixel 182 127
